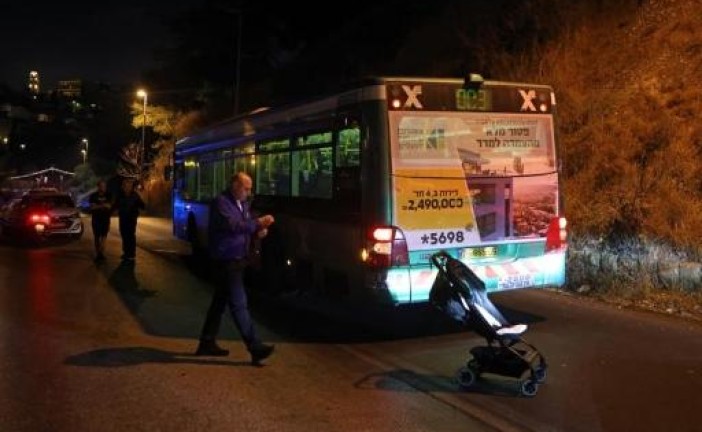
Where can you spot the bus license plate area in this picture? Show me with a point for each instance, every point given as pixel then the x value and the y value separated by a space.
pixel 514 282
pixel 479 252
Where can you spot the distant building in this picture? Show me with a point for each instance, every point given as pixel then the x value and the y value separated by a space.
pixel 50 177
pixel 70 88
pixel 33 85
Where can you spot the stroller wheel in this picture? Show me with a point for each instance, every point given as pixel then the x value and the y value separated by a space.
pixel 465 376
pixel 540 373
pixel 529 388
pixel 474 365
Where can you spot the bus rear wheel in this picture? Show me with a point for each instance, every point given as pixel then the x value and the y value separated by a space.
pixel 192 236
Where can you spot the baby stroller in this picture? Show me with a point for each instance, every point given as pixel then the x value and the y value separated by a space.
pixel 461 294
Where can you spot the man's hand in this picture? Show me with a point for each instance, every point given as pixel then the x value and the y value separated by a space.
pixel 266 221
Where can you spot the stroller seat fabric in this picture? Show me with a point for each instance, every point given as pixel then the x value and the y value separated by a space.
pixel 516 329
pixel 501 329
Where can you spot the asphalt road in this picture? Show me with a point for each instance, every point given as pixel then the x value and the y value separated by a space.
pixel 109 348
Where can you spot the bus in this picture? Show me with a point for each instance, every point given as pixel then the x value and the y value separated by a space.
pixel 367 183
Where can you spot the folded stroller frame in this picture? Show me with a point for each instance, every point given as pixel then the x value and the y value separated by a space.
pixel 461 294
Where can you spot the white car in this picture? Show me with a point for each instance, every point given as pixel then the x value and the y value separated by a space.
pixel 41 214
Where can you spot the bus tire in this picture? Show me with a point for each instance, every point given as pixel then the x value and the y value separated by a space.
pixel 193 237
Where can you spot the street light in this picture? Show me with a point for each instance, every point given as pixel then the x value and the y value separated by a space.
pixel 237 80
pixel 84 141
pixel 141 93
pixel 238 61
pixel 84 152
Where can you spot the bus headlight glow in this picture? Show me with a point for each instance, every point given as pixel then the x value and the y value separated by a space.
pixel 396 103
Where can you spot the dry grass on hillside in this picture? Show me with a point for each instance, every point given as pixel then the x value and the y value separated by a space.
pixel 629 139
pixel 631 143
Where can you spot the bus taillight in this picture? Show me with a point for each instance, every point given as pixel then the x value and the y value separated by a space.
pixel 386 247
pixel 383 234
pixel 556 234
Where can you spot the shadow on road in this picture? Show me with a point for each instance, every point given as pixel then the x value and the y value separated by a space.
pixel 296 315
pixel 309 320
pixel 133 356
pixel 124 281
pixel 403 380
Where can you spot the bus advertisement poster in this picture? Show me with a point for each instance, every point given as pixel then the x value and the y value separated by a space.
pixel 434 208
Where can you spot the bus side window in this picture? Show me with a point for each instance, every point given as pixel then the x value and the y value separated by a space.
pixel 273 174
pixel 207 181
pixel 347 173
pixel 348 150
pixel 312 172
pixel 191 177
pixel 178 176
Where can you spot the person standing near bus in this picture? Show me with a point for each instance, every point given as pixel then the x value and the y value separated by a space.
pixel 128 205
pixel 231 229
pixel 100 210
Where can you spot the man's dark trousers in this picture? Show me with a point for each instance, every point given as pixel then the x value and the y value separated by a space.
pixel 229 290
pixel 127 229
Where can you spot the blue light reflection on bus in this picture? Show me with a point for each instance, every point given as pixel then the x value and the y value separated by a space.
pixel 411 285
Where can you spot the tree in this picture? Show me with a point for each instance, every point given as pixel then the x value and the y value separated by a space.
pixel 84 178
pixel 167 125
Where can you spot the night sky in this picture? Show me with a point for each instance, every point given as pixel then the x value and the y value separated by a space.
pixel 109 41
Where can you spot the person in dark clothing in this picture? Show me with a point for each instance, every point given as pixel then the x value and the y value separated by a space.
pixel 128 205
pixel 100 210
pixel 231 229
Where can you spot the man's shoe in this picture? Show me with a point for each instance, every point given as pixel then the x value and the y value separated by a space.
pixel 260 352
pixel 211 349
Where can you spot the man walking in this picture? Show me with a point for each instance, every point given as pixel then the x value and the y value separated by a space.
pixel 100 211
pixel 230 233
pixel 128 205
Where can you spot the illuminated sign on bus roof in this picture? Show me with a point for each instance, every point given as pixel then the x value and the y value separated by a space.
pixel 424 96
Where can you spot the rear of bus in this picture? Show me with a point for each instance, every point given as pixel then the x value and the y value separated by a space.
pixel 473 172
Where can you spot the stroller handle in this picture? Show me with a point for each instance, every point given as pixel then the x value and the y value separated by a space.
pixel 440 258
